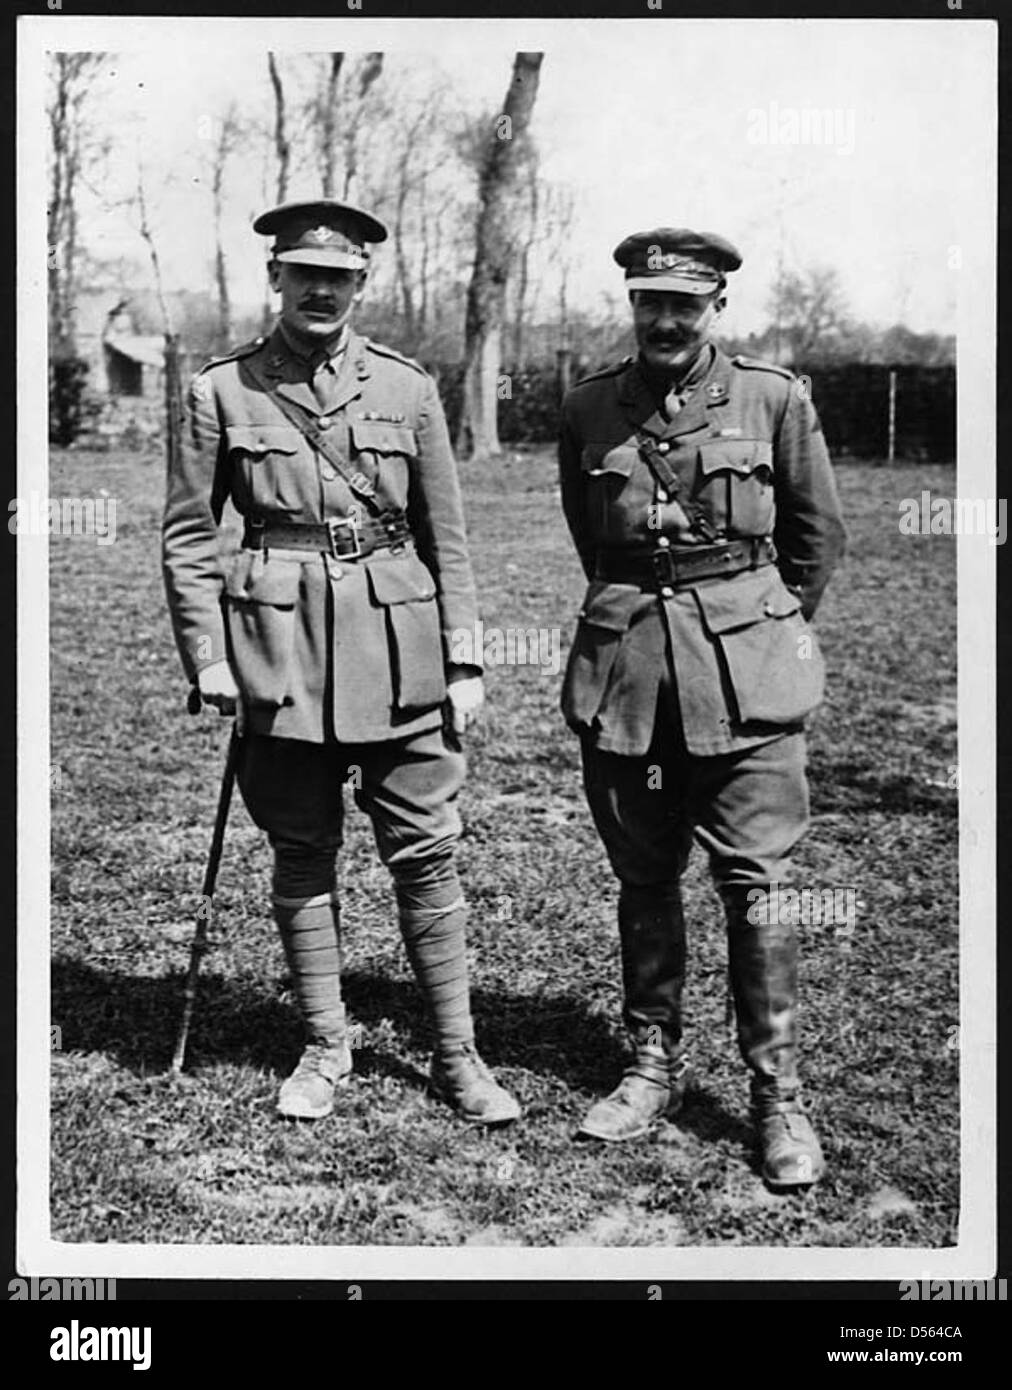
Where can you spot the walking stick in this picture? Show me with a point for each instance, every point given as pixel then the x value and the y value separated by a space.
pixel 199 944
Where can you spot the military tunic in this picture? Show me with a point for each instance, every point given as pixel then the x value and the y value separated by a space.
pixel 751 458
pixel 322 649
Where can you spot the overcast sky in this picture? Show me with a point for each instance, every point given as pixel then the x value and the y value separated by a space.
pixel 651 122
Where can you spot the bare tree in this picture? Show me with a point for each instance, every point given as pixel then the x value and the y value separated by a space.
pixel 326 123
pixel 282 145
pixel 406 180
pixel 148 237
pixel 809 309
pixel 524 260
pixel 494 251
pixel 73 75
pixel 367 74
pixel 172 383
pixel 561 211
pixel 225 145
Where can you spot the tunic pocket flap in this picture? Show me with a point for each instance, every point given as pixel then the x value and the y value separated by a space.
pixel 400 581
pixel 263 439
pixel 599 458
pixel 740 602
pixel 738 455
pixel 610 606
pixel 275 582
pixel 382 437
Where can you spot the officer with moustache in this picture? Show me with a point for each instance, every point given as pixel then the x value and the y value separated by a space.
pixel 700 497
pixel 331 628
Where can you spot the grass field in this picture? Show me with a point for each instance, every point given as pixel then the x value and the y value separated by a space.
pixel 139 1157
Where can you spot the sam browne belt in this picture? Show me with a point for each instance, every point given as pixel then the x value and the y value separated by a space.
pixel 669 567
pixel 343 537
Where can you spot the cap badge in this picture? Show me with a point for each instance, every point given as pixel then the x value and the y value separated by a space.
pixel 321 235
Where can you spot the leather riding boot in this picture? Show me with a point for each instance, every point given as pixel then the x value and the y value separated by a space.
pixel 652 936
pixel 763 959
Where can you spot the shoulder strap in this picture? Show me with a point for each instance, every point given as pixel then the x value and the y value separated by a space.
pixel 612 370
pixel 757 364
pixel 381 350
pixel 234 354
pixel 669 479
pixel 362 487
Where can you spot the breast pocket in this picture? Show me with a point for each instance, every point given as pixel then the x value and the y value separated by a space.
pixel 769 652
pixel 384 450
pixel 266 459
pixel 404 590
pixel 612 492
pixel 260 602
pixel 734 484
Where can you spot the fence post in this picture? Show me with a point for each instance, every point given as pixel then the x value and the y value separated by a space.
pixel 892 414
pixel 173 400
pixel 564 368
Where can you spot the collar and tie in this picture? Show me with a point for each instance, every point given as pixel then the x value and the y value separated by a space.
pixel 680 392
pixel 322 366
pixel 324 370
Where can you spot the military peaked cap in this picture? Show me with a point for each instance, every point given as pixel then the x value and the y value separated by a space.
pixel 675 258
pixel 321 232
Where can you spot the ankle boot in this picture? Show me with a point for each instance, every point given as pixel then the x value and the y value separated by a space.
pixel 460 1078
pixel 763 961
pixel 432 915
pixel 310 934
pixel 652 1086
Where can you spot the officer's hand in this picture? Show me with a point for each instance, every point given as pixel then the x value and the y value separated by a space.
pixel 217 687
pixel 466 695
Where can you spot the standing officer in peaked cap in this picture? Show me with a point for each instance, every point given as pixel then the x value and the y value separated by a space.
pixel 701 500
pixel 331 628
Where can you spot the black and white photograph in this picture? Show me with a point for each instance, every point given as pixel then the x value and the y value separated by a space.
pixel 506 521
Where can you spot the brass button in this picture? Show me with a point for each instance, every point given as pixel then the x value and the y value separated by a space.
pixel 663 447
pixel 327 473
pixel 333 568
pixel 324 423
pixel 768 609
pixel 663 542
pixel 663 497
pixel 667 592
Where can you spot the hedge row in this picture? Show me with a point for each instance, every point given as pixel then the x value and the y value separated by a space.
pixel 852 400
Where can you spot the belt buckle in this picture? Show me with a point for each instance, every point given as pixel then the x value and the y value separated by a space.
pixel 664 573
pixel 351 522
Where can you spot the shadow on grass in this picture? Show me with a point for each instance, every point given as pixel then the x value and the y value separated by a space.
pixel 135 1019
pixel 850 786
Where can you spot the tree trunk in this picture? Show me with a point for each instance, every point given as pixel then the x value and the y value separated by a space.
pixel 423 269
pixel 328 126
pixel 220 272
pixel 523 279
pixel 400 255
pixel 369 71
pixel 478 433
pixel 173 402
pixel 282 147
pixel 71 74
